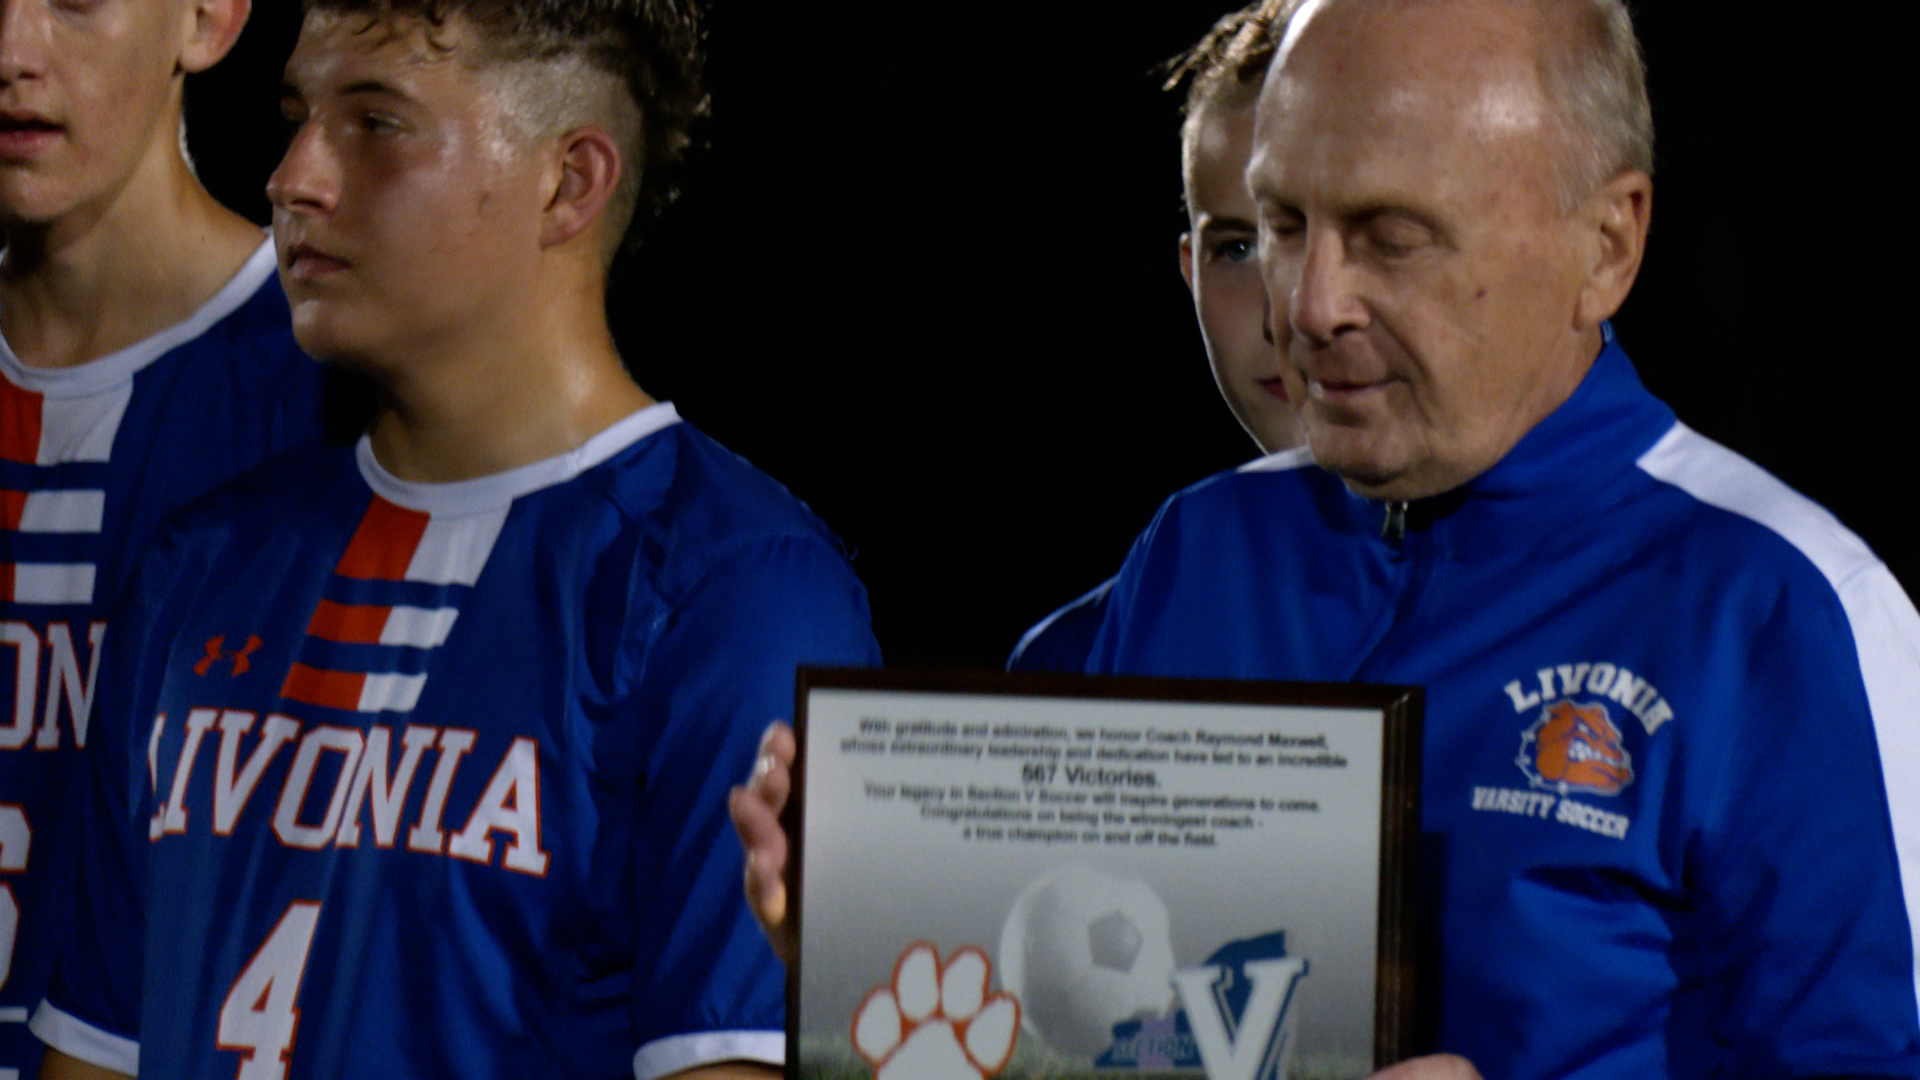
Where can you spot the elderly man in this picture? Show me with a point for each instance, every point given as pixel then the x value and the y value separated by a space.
pixel 1664 690
pixel 1673 708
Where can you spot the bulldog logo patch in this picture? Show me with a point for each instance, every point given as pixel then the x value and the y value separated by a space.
pixel 1575 747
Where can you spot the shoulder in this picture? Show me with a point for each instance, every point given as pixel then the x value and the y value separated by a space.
pixel 1281 499
pixel 696 505
pixel 1740 517
pixel 282 493
pixel 1063 640
pixel 1256 486
pixel 262 518
pixel 729 580
pixel 249 326
pixel 1785 577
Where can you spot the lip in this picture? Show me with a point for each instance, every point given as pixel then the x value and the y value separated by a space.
pixel 1342 391
pixel 304 262
pixel 25 135
pixel 1277 387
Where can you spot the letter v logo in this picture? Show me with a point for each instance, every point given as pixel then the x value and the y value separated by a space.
pixel 1255 1047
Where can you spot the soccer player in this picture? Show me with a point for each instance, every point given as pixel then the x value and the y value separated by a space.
pixel 416 762
pixel 145 356
pixel 1222 75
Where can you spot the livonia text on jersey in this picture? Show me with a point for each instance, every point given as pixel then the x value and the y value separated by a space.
pixel 370 789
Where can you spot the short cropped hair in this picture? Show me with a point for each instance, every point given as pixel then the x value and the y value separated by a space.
pixel 1592 72
pixel 656 49
pixel 1596 78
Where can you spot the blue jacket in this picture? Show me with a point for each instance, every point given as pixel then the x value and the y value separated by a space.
pixel 1671 740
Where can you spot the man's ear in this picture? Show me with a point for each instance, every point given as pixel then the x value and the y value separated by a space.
pixel 1186 258
pixel 587 177
pixel 1616 217
pixel 209 31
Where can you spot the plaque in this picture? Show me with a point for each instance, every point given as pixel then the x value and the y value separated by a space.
pixel 1048 877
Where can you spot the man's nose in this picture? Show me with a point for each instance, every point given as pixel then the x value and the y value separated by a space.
pixel 1324 297
pixel 308 177
pixel 24 34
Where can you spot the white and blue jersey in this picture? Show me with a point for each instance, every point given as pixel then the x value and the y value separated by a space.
pixel 429 780
pixel 92 458
pixel 1671 770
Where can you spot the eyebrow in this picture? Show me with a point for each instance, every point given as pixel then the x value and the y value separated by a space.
pixel 292 90
pixel 1226 224
pixel 1374 211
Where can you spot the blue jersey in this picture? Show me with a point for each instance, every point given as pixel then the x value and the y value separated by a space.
pixel 1672 734
pixel 429 780
pixel 1063 640
pixel 91 459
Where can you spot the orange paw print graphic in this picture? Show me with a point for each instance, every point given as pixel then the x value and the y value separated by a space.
pixel 937 1022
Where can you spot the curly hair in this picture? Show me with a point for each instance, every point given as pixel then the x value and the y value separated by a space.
pixel 1227 66
pixel 655 48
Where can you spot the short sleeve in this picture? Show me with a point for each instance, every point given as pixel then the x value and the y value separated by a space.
pixel 707 986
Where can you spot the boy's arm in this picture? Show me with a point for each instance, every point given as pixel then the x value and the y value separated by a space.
pixel 58 1066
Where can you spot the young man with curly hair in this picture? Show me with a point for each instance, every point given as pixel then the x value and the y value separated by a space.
pixel 1221 74
pixel 456 807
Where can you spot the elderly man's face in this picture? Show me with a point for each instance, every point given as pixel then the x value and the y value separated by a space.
pixel 1425 282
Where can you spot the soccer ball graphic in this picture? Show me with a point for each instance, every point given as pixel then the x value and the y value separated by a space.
pixel 1084 950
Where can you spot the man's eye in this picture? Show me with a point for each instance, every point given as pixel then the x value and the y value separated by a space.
pixel 1397 240
pixel 379 124
pixel 1233 250
pixel 1282 226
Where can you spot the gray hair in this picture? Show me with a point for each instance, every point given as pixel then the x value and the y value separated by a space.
pixel 1596 78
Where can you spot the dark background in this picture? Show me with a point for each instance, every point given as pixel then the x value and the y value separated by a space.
pixel 925 275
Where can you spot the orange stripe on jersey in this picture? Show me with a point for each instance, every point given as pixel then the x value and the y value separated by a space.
pixel 19 424
pixel 358 623
pixel 13 506
pixel 333 689
pixel 383 546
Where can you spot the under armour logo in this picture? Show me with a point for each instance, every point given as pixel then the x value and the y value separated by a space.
pixel 216 653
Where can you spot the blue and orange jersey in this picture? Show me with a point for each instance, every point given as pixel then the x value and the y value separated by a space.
pixel 92 458
pixel 429 779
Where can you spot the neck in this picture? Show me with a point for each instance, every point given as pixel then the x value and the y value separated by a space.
pixel 118 269
pixel 502 396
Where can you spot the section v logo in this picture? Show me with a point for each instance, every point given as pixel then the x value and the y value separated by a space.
pixel 1239 1008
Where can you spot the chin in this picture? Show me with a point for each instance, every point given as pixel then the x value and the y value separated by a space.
pixel 331 324
pixel 26 204
pixel 1276 431
pixel 1367 468
pixel 324 340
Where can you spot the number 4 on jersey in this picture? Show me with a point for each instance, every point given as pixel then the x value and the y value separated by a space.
pixel 259 1017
